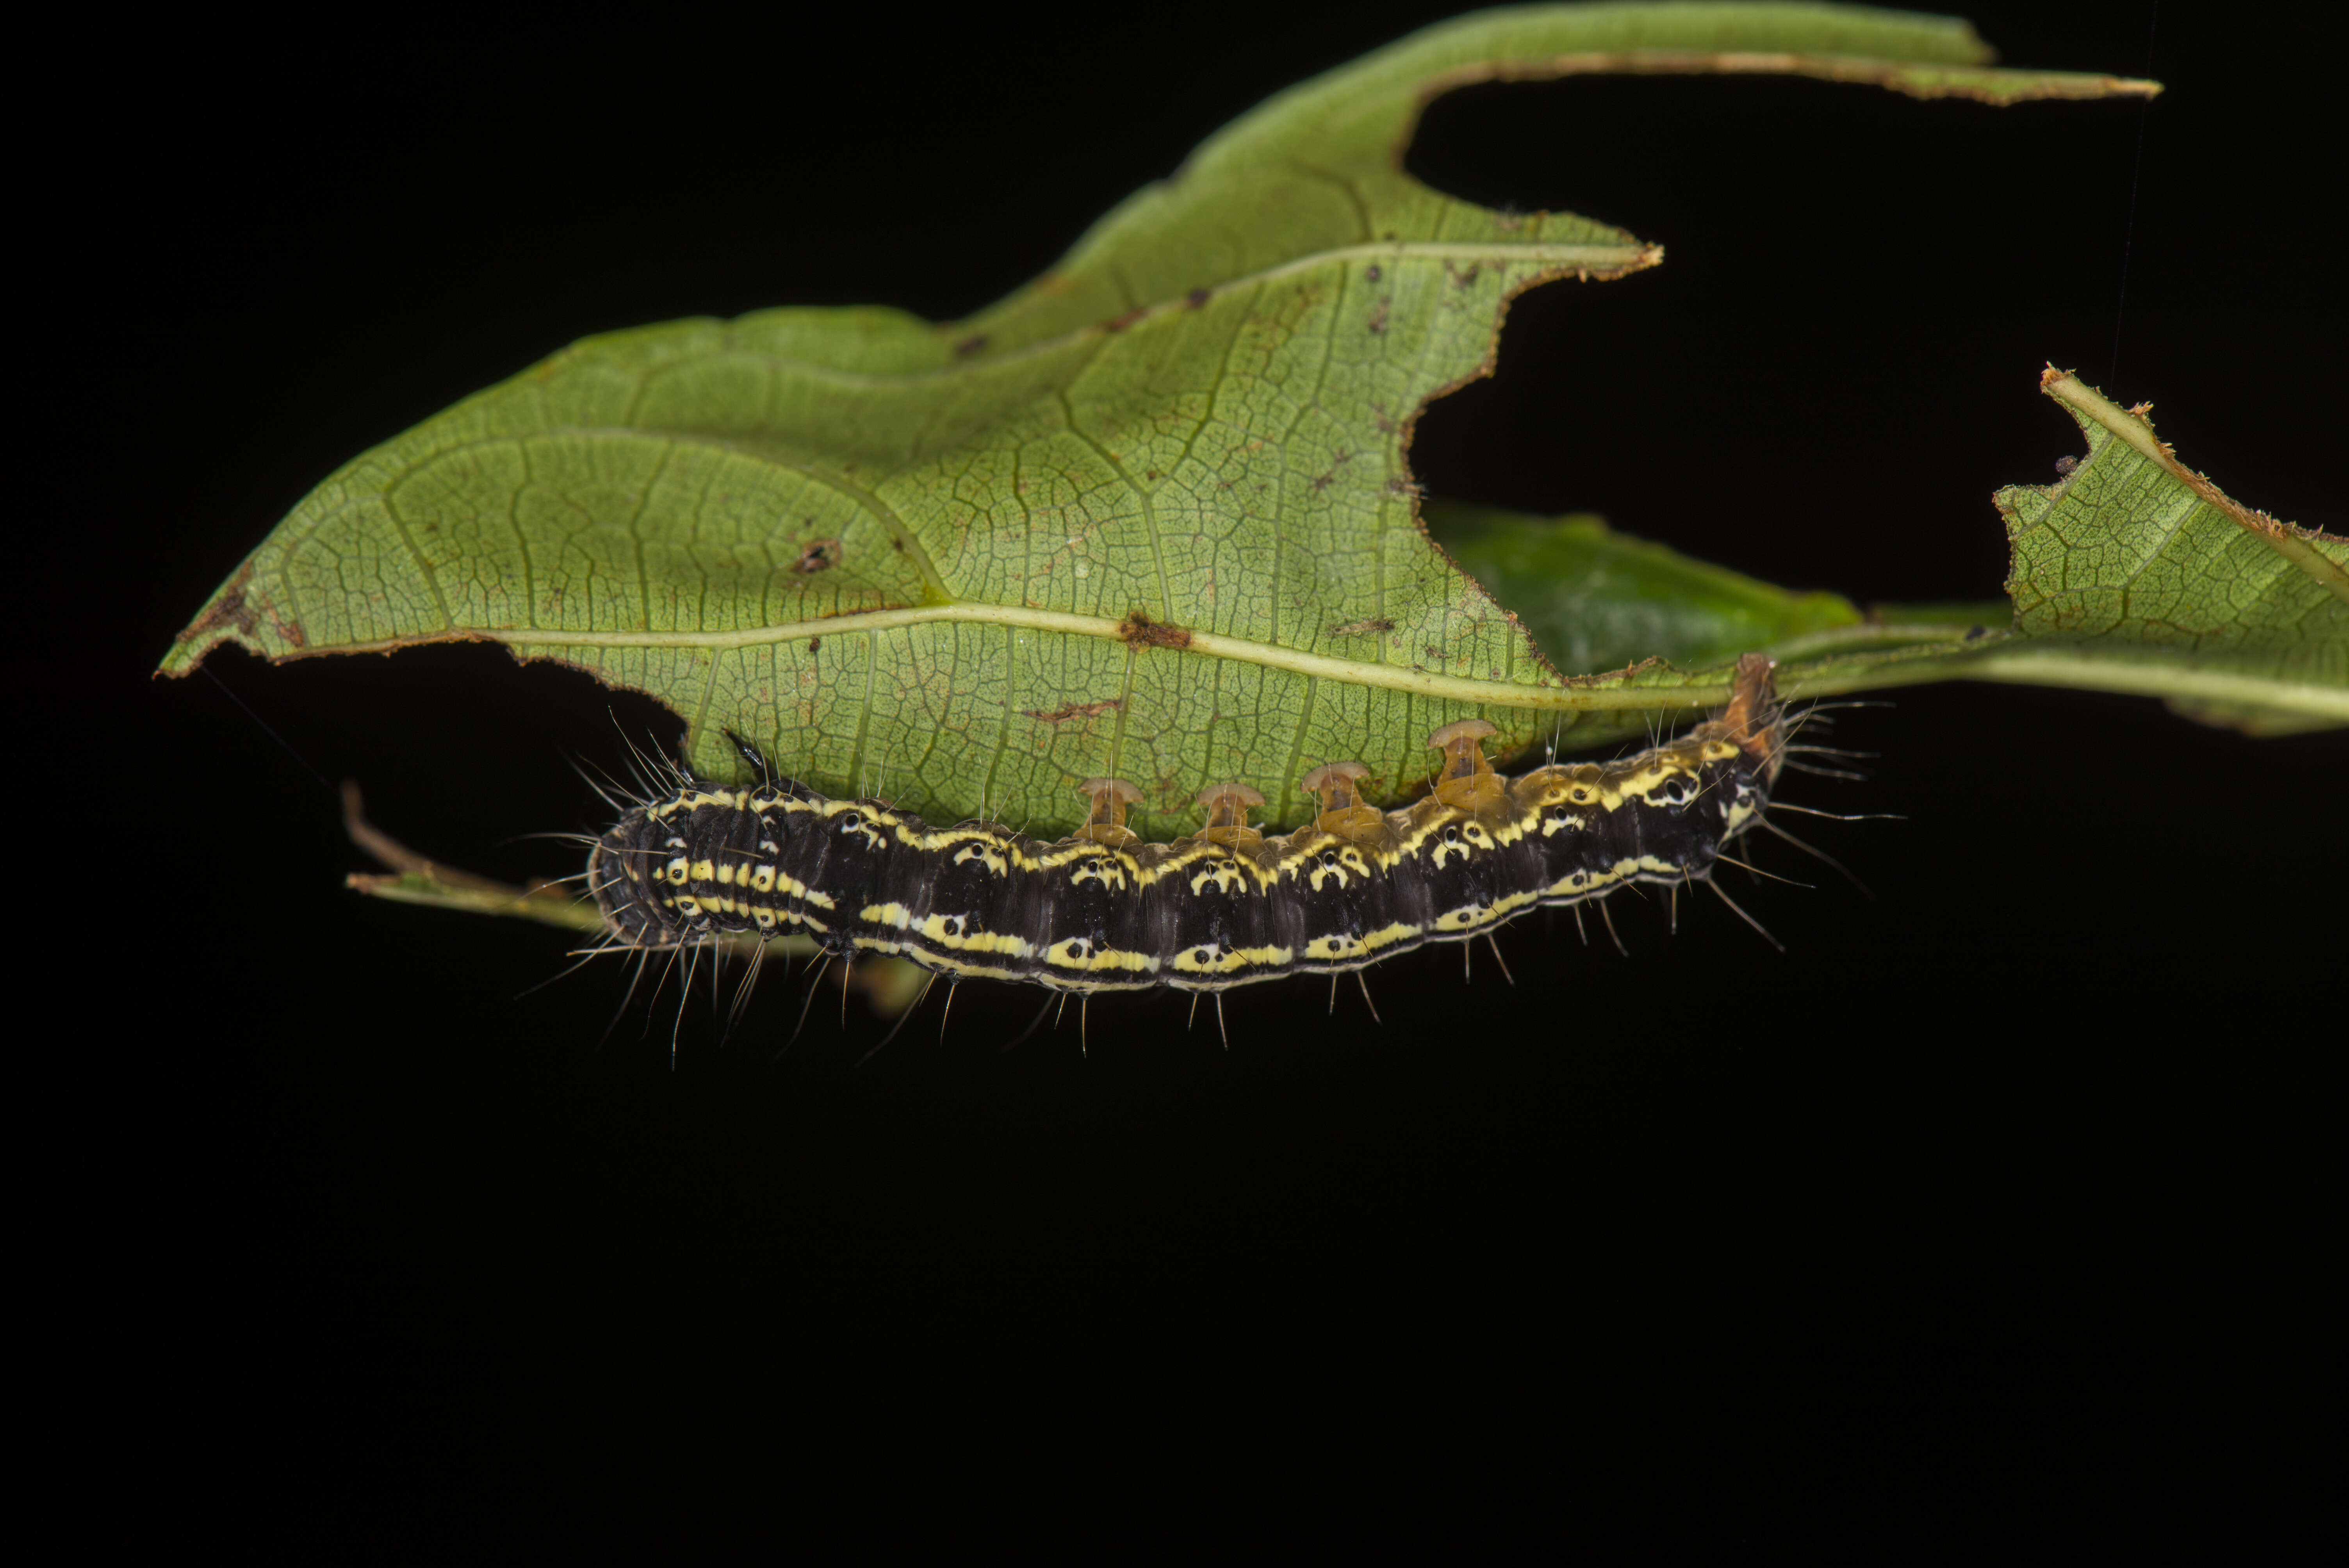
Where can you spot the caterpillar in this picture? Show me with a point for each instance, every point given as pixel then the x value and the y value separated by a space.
pixel 1103 911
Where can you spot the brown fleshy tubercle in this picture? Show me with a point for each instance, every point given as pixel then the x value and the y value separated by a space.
pixel 1333 784
pixel 1468 782
pixel 1752 715
pixel 1105 822
pixel 1344 814
pixel 1228 807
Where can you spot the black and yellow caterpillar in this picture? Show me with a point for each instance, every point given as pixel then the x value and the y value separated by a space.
pixel 1103 910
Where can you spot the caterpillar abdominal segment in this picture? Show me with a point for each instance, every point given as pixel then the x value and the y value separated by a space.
pixel 1103 911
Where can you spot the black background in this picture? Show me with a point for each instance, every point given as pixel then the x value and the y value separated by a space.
pixel 1993 1209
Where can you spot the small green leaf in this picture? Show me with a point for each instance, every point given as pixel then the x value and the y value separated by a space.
pixel 1598 600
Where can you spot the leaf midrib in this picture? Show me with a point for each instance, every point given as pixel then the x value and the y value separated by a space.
pixel 1213 645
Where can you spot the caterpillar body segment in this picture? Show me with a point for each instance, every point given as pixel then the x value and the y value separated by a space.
pixel 1102 909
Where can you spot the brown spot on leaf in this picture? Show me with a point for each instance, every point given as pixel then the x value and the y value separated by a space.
pixel 228 610
pixel 1142 631
pixel 815 645
pixel 1369 626
pixel 1120 322
pixel 1197 298
pixel 1330 476
pixel 1378 322
pixel 1068 711
pixel 817 555
pixel 975 343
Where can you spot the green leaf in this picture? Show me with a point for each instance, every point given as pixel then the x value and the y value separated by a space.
pixel 1152 516
pixel 2146 576
pixel 2133 574
pixel 1597 600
